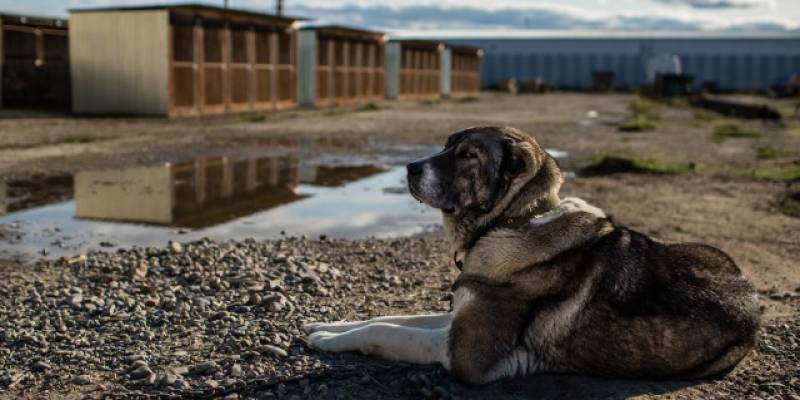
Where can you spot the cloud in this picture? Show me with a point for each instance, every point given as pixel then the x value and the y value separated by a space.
pixel 716 3
pixel 429 17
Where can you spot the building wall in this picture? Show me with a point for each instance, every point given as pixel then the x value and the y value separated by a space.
pixel 307 67
pixel 120 62
pixel 392 66
pixel 733 63
pixel 445 69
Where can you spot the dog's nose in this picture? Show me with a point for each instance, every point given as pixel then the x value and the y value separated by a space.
pixel 415 168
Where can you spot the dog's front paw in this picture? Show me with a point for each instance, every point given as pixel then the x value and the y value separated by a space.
pixel 324 341
pixel 340 326
pixel 312 327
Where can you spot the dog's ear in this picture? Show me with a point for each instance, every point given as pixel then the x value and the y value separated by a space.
pixel 522 157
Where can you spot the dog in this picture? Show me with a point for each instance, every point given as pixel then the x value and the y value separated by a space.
pixel 554 286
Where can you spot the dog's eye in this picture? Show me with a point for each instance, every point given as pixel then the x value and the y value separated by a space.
pixel 468 155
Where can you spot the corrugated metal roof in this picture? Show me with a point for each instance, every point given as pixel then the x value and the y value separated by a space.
pixel 32 20
pixel 189 6
pixel 341 30
pixel 529 34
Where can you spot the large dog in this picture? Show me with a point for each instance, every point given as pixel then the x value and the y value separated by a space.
pixel 555 286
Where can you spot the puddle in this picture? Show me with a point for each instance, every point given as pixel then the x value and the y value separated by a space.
pixel 338 195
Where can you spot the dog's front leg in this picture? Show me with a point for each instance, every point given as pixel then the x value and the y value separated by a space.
pixel 432 321
pixel 390 342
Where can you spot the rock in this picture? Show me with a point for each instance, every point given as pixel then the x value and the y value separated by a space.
pixel 140 271
pixel 168 379
pixel 274 285
pixel 82 379
pixel 206 368
pixel 142 372
pixel 236 370
pixel 175 247
pixel 40 366
pixel 268 349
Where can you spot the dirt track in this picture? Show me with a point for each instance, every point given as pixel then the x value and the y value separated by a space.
pixel 720 202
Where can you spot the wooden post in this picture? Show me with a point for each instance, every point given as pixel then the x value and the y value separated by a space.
pixel 359 64
pixel 40 56
pixel 331 67
pixel 273 72
pixel 250 38
pixel 199 68
pixel 346 69
pixel 227 72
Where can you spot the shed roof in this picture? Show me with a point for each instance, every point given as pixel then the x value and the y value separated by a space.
pixel 346 31
pixel 419 44
pixel 464 49
pixel 198 8
pixel 34 21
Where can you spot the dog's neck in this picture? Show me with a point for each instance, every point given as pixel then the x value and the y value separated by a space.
pixel 528 196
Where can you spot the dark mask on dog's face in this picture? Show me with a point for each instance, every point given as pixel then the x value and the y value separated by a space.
pixel 469 175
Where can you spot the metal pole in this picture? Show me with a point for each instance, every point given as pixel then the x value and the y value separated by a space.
pixel 226 3
pixel 279 7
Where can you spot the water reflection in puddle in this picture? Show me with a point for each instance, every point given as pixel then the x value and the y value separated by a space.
pixel 219 198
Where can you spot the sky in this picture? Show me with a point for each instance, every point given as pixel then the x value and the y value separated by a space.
pixel 415 15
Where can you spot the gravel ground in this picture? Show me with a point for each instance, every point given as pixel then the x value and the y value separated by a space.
pixel 222 319
pixel 209 319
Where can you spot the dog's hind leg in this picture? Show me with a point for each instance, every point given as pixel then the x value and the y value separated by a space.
pixel 390 342
pixel 431 321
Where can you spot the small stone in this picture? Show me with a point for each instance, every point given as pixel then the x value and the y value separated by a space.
pixel 175 247
pixel 236 370
pixel 141 373
pixel 206 368
pixel 274 285
pixel 211 383
pixel 140 272
pixel 273 350
pixel 40 366
pixel 168 379
pixel 82 379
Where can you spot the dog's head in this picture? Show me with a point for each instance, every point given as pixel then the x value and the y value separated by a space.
pixel 484 173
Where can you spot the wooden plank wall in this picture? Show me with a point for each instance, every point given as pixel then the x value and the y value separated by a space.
pixel 349 71
pixel 419 73
pixel 465 75
pixel 119 62
pixel 219 67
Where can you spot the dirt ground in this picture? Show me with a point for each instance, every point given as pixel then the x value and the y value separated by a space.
pixel 736 193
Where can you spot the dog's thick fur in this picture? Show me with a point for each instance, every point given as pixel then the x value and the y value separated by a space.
pixel 555 286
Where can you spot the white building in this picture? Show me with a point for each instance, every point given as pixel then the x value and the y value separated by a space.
pixel 566 59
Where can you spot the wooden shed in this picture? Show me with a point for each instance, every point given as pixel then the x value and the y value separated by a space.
pixel 461 74
pixel 181 60
pixel 34 62
pixel 413 69
pixel 340 65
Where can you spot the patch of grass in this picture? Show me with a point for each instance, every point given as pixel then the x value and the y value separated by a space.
pixel 371 107
pixel 705 116
pixel 782 173
pixel 611 164
pixel 638 123
pixel 772 152
pixel 253 118
pixel 468 99
pixel 643 116
pixel 430 102
pixel 733 131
